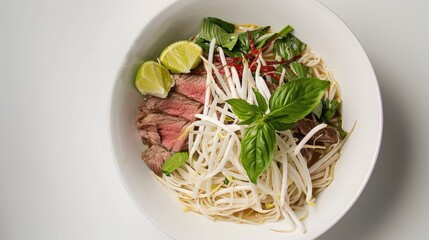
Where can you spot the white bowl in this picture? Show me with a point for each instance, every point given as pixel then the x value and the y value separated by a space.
pixel 326 34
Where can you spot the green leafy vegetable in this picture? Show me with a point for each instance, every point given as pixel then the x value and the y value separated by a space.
pixel 284 31
pixel 267 38
pixel 233 53
pixel 203 43
pixel 228 27
pixel 300 70
pixel 210 30
pixel 243 38
pixel 279 126
pixel 281 33
pixel 288 104
pixel 257 149
pixel 329 109
pixel 226 181
pixel 246 112
pixel 174 162
pixel 318 109
pixel 288 47
pixel 294 100
pixel 289 75
pixel 262 103
pixel 295 71
pixel 340 129
pixel 339 126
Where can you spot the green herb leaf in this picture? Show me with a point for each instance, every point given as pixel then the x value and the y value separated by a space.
pixel 243 38
pixel 228 27
pixel 230 45
pixel 210 30
pixel 257 149
pixel 339 126
pixel 268 37
pixel 262 103
pixel 294 100
pixel 281 33
pixel 226 181
pixel 288 47
pixel 251 120
pixel 329 109
pixel 279 126
pixel 318 110
pixel 246 112
pixel 174 162
pixel 284 31
pixel 294 71
pixel 300 70
pixel 289 75
pixel 203 43
pixel 233 53
pixel 340 129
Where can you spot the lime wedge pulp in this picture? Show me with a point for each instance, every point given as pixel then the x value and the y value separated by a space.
pixel 154 79
pixel 181 57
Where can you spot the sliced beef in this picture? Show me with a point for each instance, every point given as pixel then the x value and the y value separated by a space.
pixel 155 157
pixel 192 86
pixel 174 104
pixel 326 135
pixel 162 123
pixel 149 133
pixel 169 129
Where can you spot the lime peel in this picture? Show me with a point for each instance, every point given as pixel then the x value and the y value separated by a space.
pixel 181 56
pixel 154 79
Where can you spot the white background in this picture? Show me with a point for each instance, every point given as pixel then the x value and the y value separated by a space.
pixel 58 60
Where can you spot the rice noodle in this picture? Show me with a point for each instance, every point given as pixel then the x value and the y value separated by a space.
pixel 214 182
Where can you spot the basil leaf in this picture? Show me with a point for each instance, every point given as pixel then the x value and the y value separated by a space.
pixel 210 30
pixel 250 120
pixel 340 129
pixel 288 47
pixel 289 75
pixel 246 112
pixel 233 53
pixel 279 126
pixel 226 181
pixel 265 40
pixel 329 109
pixel 231 43
pixel 243 38
pixel 318 110
pixel 228 27
pixel 257 149
pixel 203 43
pixel 294 100
pixel 281 33
pixel 262 103
pixel 300 70
pixel 284 31
pixel 174 162
pixel 295 71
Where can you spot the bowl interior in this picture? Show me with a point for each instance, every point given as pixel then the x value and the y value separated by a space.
pixel 326 34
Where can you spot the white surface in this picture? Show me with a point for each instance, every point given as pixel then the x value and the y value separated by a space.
pixel 342 53
pixel 57 178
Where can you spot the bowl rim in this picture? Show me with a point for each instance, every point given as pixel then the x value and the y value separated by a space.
pixel 380 130
pixel 110 118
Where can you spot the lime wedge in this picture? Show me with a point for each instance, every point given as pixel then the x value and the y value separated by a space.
pixel 181 57
pixel 154 79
